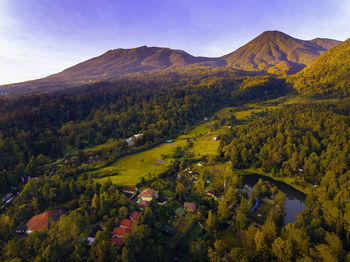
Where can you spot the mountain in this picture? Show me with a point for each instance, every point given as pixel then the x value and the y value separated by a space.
pixel 328 75
pixel 125 61
pixel 271 52
pixel 277 53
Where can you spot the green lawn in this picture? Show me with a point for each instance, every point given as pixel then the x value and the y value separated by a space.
pixel 130 169
pixel 247 113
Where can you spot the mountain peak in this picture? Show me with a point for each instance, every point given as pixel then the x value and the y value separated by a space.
pixel 272 33
pixel 277 53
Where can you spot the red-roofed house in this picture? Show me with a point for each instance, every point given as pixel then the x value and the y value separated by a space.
pixel 43 220
pixel 144 203
pixel 147 195
pixel 117 241
pixel 121 232
pixel 125 223
pixel 134 216
pixel 129 189
pixel 190 207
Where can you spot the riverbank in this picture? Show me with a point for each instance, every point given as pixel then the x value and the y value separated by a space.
pixel 287 180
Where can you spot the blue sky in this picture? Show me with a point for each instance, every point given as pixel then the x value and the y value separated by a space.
pixel 42 37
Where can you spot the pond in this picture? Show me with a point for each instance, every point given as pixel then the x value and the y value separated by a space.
pixel 294 203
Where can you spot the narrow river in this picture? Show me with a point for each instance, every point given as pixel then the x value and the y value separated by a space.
pixel 294 203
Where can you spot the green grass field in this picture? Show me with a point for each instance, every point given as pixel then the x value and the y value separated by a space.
pixel 130 169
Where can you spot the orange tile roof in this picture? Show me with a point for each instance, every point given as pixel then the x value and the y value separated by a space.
pixel 126 223
pixel 40 221
pixel 117 241
pixel 118 231
pixel 134 216
pixel 148 192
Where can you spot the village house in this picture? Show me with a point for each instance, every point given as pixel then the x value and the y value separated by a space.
pixel 92 234
pixel 120 232
pixel 125 228
pixel 143 204
pixel 43 220
pixel 126 223
pixel 134 216
pixel 190 207
pixel 129 189
pixel 117 241
pixel 147 195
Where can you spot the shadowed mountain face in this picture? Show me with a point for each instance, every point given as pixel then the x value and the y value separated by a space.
pixel 124 61
pixel 328 75
pixel 277 53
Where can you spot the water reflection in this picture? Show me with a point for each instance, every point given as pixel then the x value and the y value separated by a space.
pixel 294 203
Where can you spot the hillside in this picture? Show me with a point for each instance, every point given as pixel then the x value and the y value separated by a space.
pixel 329 75
pixel 277 53
pixel 124 61
pixel 271 52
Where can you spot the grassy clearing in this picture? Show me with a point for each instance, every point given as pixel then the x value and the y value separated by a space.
pixel 256 108
pixel 130 169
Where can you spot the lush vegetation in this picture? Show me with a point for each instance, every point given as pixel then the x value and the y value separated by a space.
pixel 301 140
pixel 328 75
pixel 54 125
pixel 68 142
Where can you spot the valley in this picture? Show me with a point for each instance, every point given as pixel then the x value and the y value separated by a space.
pixel 152 154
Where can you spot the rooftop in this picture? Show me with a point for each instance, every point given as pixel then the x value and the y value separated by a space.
pixel 126 223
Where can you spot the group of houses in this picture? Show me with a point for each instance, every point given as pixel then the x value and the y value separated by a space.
pixel 124 228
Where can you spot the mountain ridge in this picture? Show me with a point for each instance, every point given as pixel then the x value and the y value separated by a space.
pixel 328 75
pixel 277 53
pixel 140 59
pixel 272 52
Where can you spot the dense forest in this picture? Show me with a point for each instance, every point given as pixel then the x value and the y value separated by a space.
pixel 328 75
pixel 209 215
pixel 303 140
pixel 223 228
pixel 56 124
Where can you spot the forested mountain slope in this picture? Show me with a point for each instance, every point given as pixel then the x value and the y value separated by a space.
pixel 329 75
